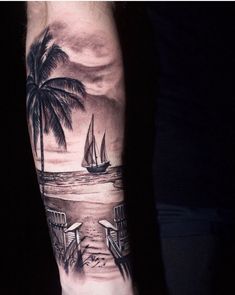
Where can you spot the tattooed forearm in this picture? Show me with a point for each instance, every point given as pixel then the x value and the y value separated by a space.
pixel 75 106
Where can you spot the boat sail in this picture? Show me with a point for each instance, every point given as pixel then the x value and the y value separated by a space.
pixel 90 160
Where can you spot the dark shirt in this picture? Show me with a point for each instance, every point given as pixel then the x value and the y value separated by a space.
pixel 195 98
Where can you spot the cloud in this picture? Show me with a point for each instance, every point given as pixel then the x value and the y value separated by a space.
pixel 93 60
pixel 102 80
pixel 80 41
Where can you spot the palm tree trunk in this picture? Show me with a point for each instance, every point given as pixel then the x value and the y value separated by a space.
pixel 41 149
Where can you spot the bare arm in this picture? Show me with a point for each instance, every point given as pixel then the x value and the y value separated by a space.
pixel 75 107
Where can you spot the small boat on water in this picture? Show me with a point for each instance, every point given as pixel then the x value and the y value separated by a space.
pixel 90 160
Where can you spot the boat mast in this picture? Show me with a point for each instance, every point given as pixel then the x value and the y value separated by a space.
pixel 93 142
pixel 103 153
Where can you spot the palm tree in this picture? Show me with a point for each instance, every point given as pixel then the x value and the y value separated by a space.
pixel 50 100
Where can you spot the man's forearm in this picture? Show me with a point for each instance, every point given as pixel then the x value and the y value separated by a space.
pixel 75 109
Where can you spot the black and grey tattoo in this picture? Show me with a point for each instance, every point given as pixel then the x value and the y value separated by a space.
pixel 75 114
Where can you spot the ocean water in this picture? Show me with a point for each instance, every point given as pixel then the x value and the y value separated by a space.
pixel 82 177
pixel 81 185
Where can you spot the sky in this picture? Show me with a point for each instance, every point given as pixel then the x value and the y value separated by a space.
pixel 96 63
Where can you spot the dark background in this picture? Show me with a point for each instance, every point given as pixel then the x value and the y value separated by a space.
pixel 28 264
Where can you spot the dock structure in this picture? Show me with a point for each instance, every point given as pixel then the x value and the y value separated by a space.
pixel 117 238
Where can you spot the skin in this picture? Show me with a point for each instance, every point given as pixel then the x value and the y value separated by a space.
pixel 85 202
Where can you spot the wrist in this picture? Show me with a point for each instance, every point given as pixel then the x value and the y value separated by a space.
pixel 117 287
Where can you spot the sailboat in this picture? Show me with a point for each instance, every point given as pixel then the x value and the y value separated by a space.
pixel 90 160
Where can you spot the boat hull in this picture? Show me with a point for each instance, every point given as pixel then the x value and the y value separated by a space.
pixel 100 168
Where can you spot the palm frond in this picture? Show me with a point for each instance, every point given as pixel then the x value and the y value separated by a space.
pixel 31 61
pixel 30 81
pixel 30 102
pixel 53 56
pixel 55 125
pixel 43 45
pixel 58 131
pixel 62 110
pixel 72 100
pixel 68 84
pixel 37 54
pixel 30 85
pixel 36 126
